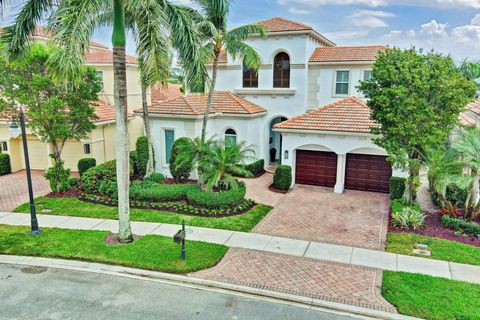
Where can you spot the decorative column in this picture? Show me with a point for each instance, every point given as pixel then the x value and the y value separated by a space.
pixel 341 162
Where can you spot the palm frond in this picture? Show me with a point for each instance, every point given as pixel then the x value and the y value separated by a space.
pixel 242 33
pixel 244 52
pixel 17 36
pixel 216 11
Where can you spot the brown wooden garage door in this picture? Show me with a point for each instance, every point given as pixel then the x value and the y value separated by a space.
pixel 316 168
pixel 367 172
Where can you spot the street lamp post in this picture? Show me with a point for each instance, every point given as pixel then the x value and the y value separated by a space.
pixel 14 132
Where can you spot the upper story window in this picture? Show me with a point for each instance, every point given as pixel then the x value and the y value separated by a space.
pixel 281 71
pixel 342 82
pixel 4 146
pixel 99 75
pixel 367 75
pixel 250 77
pixel 231 135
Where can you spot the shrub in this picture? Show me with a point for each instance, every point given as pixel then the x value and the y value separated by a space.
pixel 282 179
pixel 256 167
pixel 142 155
pixel 58 176
pixel 93 177
pixel 460 225
pixel 397 187
pixel 85 164
pixel 217 200
pixel 179 173
pixel 454 194
pixel 5 167
pixel 133 162
pixel 156 177
pixel 152 191
pixel 109 188
pixel 73 182
pixel 408 217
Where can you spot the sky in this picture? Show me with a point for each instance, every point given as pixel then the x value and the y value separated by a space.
pixel 447 26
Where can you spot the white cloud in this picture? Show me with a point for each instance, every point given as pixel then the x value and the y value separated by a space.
pixel 397 34
pixel 346 35
pixel 299 11
pixel 369 18
pixel 434 29
pixel 476 20
pixel 465 34
pixel 378 3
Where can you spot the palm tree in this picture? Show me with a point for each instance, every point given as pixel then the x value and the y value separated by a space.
pixel 470 69
pixel 74 22
pixel 225 162
pixel 219 38
pixel 468 147
pixel 197 152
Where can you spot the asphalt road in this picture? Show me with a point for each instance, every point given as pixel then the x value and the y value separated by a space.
pixel 44 293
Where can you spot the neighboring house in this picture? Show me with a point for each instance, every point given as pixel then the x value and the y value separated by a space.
pixel 471 115
pixel 301 71
pixel 100 143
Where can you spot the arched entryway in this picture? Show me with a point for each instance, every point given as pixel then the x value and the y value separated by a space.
pixel 274 143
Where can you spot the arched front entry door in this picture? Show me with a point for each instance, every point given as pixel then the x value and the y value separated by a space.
pixel 275 143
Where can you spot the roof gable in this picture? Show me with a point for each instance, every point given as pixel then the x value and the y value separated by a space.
pixel 278 24
pixel 346 54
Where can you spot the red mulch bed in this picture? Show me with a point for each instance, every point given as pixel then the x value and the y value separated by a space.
pixel 72 193
pixel 434 228
pixel 273 189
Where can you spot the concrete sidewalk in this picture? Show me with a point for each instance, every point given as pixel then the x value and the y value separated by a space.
pixel 264 243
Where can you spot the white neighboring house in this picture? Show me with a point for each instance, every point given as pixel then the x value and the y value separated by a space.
pixel 301 71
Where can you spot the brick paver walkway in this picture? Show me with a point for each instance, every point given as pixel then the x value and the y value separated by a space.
pixel 354 218
pixel 257 189
pixel 301 276
pixel 14 190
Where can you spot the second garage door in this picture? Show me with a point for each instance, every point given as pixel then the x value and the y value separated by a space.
pixel 367 172
pixel 316 168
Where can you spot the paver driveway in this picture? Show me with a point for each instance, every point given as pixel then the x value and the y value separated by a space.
pixel 354 218
pixel 14 190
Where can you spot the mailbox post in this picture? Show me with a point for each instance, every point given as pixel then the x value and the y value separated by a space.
pixel 179 237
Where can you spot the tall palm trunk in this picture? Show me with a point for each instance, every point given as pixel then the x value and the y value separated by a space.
pixel 122 142
pixel 210 95
pixel 150 169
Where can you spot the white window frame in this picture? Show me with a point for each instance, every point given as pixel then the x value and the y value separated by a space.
pixel 97 72
pixel 335 74
pixel 165 163
pixel 363 73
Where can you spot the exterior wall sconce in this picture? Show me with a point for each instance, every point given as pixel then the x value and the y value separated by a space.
pixel 286 154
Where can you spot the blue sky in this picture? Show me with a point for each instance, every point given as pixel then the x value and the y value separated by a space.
pixel 448 26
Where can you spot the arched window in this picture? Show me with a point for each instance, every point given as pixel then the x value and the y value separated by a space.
pixel 281 71
pixel 231 135
pixel 250 77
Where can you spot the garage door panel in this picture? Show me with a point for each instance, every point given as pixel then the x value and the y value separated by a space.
pixel 316 168
pixel 367 172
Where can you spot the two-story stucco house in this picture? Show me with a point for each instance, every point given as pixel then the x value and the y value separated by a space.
pixel 100 143
pixel 302 109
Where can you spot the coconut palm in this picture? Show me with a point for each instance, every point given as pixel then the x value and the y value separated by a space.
pixel 470 69
pixel 226 160
pixel 468 147
pixel 219 39
pixel 74 22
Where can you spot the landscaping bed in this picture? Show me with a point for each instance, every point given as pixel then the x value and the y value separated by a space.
pixel 74 207
pixel 431 298
pixel 148 252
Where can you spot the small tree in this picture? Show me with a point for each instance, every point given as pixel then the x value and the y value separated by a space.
pixel 416 98
pixel 180 173
pixel 54 112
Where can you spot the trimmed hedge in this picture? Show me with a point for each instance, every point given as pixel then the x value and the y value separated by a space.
pixel 217 200
pixel 256 167
pixel 465 227
pixel 397 187
pixel 133 162
pixel 85 164
pixel 180 173
pixel 93 177
pixel 152 191
pixel 282 179
pixel 156 177
pixel 5 167
pixel 142 155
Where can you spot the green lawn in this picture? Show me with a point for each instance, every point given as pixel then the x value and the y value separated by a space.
pixel 74 207
pixel 148 252
pixel 403 243
pixel 431 298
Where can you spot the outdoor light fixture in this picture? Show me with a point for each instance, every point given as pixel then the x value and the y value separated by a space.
pixel 286 154
pixel 14 129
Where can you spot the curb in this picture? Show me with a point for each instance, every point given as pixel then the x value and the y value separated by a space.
pixel 186 281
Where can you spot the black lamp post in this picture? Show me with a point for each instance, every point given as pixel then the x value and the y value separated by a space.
pixel 14 132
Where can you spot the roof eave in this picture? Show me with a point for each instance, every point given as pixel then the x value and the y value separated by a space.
pixel 337 133
pixel 352 62
pixel 310 32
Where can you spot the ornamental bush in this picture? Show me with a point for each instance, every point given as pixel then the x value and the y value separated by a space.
pixel 5 167
pixel 460 225
pixel 180 173
pixel 85 164
pixel 217 200
pixel 256 167
pixel 93 177
pixel 141 155
pixel 282 179
pixel 156 177
pixel 109 188
pixel 454 194
pixel 133 162
pixel 152 191
pixel 408 217
pixel 58 176
pixel 397 187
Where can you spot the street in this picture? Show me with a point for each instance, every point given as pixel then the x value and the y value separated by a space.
pixel 45 293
